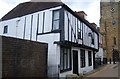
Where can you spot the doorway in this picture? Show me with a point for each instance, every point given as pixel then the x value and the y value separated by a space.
pixel 75 62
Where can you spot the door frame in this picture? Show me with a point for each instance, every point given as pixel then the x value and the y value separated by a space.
pixel 75 62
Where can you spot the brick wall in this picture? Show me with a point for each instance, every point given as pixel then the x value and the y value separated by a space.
pixel 23 58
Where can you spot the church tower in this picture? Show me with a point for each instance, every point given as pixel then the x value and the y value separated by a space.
pixel 110 27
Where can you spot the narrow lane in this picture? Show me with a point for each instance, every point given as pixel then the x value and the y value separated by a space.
pixel 110 70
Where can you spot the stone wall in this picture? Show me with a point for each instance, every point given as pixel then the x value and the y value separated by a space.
pixel 23 58
pixel 109 13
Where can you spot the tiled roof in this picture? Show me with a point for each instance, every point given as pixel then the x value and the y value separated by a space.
pixel 28 8
pixel 32 7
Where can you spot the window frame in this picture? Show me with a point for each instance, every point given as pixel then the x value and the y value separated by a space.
pixel 68 59
pixel 92 38
pixel 82 58
pixel 89 58
pixel 55 20
pixel 5 30
pixel 80 30
pixel 114 40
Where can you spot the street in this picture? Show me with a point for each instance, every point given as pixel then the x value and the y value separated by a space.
pixel 110 71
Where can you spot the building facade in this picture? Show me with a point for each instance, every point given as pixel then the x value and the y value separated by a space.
pixel 72 42
pixel 110 27
pixel 100 53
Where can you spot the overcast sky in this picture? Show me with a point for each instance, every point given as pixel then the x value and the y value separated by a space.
pixel 90 7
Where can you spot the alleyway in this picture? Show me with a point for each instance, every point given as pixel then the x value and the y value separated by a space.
pixel 110 70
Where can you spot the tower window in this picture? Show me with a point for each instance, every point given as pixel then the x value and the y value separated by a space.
pixel 5 30
pixel 114 40
pixel 113 22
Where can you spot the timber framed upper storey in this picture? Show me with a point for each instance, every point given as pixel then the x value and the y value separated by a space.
pixel 51 17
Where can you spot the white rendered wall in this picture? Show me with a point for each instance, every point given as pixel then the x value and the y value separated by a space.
pixel 63 74
pixel 16 25
pixel 72 22
pixel 11 27
pixel 53 52
pixel 80 70
pixel 96 41
pixel 21 28
pixel 0 57
pixel 25 27
pixel 99 54
pixel 87 68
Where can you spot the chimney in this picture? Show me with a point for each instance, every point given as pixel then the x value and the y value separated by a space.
pixel 94 25
pixel 82 14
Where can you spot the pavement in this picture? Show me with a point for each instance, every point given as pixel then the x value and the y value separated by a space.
pixel 109 71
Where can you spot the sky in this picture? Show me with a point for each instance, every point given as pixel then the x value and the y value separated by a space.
pixel 90 7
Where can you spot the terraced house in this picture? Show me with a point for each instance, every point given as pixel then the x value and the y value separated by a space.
pixel 72 41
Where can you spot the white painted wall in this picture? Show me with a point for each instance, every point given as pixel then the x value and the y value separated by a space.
pixel 19 27
pixel 66 73
pixel 74 24
pixel 48 21
pixel 16 29
pixel 96 41
pixel 0 57
pixel 53 52
pixel 86 38
pixel 99 54
pixel 11 27
pixel 87 68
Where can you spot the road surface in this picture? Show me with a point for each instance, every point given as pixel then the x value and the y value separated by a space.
pixel 110 71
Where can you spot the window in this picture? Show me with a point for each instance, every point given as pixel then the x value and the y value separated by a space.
pixel 65 59
pixel 79 30
pixel 82 55
pixel 113 22
pixel 5 30
pixel 92 41
pixel 114 40
pixel 79 34
pixel 56 20
pixel 92 38
pixel 89 58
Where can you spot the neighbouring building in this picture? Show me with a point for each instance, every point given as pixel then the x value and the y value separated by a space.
pixel 110 27
pixel 100 54
pixel 72 41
